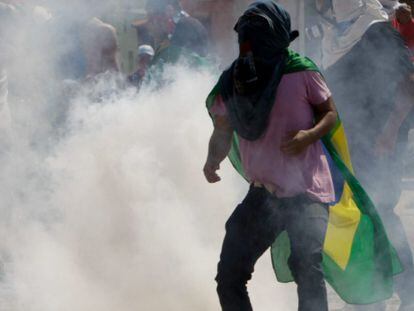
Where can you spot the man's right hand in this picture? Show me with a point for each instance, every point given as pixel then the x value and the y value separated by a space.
pixel 210 172
pixel 218 148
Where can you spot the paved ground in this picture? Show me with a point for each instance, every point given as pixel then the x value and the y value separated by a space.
pixel 337 305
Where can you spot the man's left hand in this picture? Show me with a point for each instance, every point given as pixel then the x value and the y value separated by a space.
pixel 297 144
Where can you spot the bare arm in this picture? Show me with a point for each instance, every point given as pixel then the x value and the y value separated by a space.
pixel 325 117
pixel 110 50
pixel 403 105
pixel 218 149
pixel 101 48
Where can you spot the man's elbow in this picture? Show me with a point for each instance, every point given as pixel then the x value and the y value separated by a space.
pixel 334 115
pixel 331 117
pixel 331 107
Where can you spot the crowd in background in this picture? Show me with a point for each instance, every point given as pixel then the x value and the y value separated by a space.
pixel 82 48
pixel 83 45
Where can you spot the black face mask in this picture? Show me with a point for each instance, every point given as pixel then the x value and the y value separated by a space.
pixel 256 51
pixel 257 31
pixel 245 73
pixel 250 85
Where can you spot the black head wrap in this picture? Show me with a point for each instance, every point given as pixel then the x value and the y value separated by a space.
pixel 266 26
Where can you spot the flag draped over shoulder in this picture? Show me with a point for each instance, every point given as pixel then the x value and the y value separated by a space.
pixel 359 262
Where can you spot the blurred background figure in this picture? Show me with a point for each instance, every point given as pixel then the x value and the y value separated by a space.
pixel 84 49
pixel 217 17
pixel 100 44
pixel 403 21
pixel 144 58
pixel 86 45
pixel 389 6
pixel 173 30
pixel 369 71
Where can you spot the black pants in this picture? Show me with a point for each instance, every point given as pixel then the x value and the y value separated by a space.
pixel 252 229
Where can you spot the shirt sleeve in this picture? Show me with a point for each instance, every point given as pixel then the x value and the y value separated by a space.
pixel 317 90
pixel 219 108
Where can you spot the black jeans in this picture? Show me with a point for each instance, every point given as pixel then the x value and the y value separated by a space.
pixel 252 229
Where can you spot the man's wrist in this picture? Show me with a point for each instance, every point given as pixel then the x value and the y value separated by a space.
pixel 213 161
pixel 311 136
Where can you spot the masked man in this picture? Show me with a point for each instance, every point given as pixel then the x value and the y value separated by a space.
pixel 272 107
pixel 368 69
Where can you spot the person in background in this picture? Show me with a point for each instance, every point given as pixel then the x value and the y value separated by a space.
pixel 86 45
pixel 404 23
pixel 389 6
pixel 145 55
pixel 83 51
pixel 101 47
pixel 174 30
pixel 369 69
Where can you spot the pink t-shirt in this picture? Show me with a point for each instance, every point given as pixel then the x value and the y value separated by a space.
pixel 264 162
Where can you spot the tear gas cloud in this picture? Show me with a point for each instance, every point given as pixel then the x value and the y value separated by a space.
pixel 116 215
pixel 103 202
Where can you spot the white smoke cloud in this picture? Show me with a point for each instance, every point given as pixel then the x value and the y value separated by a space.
pixel 115 214
pixel 103 201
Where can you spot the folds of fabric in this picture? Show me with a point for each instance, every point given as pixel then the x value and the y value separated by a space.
pixel 359 261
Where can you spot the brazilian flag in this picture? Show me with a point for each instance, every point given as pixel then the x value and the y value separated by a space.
pixel 359 262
